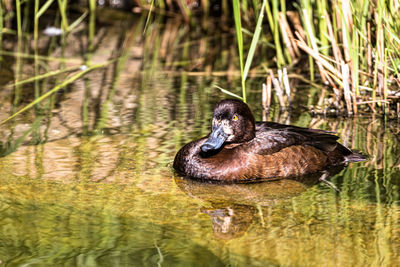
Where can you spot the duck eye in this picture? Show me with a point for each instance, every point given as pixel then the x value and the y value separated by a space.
pixel 235 117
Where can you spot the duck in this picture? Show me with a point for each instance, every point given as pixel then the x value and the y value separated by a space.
pixel 239 149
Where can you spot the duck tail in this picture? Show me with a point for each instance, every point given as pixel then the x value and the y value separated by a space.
pixel 355 157
pixel 350 155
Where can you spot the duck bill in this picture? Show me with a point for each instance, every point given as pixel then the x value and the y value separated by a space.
pixel 215 140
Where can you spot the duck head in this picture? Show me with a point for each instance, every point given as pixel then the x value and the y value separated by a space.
pixel 232 122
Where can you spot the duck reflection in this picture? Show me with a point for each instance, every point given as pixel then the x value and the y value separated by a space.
pixel 234 206
pixel 231 221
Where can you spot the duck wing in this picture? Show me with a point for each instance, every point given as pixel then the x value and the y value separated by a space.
pixel 272 137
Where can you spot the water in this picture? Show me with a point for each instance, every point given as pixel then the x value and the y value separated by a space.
pixel 89 182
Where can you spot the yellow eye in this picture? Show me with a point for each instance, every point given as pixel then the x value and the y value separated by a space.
pixel 235 117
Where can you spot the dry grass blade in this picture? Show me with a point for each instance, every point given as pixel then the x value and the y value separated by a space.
pixel 346 86
pixel 278 89
pixel 302 45
pixel 287 36
pixel 286 85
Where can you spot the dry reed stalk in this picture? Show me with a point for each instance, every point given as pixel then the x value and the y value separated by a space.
pixel 269 91
pixel 373 101
pixel 278 90
pixel 288 37
pixel 346 86
pixel 381 58
pixel 347 16
pixel 314 45
pixel 349 70
pixel 303 45
pixel 280 79
pixel 345 42
pixel 286 85
pixel 266 94
pixel 294 17
pixel 347 23
pixel 185 11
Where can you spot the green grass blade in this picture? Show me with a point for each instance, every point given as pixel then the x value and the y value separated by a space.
pixel 228 92
pixel 77 21
pixel 254 42
pixel 44 8
pixel 239 37
pixel 148 17
pixel 62 6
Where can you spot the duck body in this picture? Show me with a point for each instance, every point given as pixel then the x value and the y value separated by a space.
pixel 239 149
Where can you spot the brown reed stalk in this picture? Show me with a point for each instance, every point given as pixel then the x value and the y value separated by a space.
pixel 287 37
pixel 303 45
pixel 278 89
pixel 346 86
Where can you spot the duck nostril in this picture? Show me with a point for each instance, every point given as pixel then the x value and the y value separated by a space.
pixel 206 147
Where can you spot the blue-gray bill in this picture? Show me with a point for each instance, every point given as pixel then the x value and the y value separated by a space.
pixel 215 140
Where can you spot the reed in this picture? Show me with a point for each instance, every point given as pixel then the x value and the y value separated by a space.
pixel 239 37
pixel 352 43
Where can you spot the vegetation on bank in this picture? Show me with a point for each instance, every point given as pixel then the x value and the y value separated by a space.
pixel 352 45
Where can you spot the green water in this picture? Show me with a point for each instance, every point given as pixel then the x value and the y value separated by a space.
pixel 88 181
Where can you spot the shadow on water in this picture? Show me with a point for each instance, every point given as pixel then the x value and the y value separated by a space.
pixel 86 175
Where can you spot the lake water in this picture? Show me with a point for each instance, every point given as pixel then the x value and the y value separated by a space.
pixel 86 179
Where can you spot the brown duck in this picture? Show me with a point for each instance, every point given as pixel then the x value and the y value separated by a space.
pixel 239 149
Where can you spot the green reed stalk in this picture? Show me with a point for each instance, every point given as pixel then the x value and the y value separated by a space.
pixel 256 37
pixel 255 6
pixel 92 23
pixel 148 16
pixel 35 40
pixel 253 45
pixel 306 5
pixel 270 17
pixel 239 38
pixel 62 6
pixel 77 21
pixel 19 23
pixel 323 28
pixel 280 60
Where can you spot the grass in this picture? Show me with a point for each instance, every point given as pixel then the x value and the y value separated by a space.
pixel 352 48
pixel 352 45
pixel 361 70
